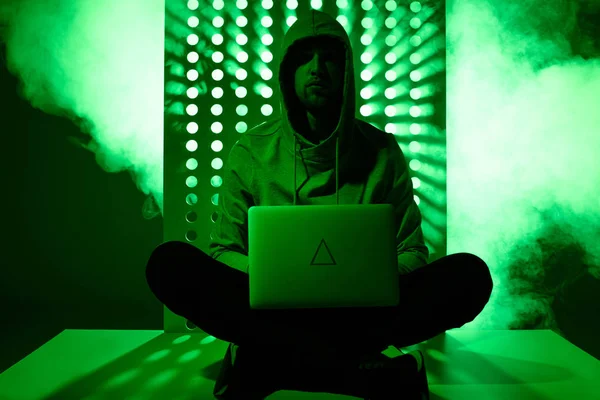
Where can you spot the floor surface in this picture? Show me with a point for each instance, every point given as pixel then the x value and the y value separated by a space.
pixel 135 365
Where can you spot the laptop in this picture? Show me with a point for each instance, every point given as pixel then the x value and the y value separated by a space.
pixel 306 257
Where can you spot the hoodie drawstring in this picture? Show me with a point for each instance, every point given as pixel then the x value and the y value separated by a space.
pixel 337 175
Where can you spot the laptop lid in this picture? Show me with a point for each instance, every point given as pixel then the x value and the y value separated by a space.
pixel 322 256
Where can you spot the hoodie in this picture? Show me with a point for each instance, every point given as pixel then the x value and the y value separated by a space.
pixel 273 164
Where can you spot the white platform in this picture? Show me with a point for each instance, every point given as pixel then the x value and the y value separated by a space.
pixel 135 365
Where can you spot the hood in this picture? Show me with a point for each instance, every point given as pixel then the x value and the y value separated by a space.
pixel 328 152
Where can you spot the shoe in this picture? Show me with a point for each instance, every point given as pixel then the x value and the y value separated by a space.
pixel 404 377
pixel 242 376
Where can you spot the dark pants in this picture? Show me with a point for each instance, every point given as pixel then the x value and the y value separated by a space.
pixel 442 295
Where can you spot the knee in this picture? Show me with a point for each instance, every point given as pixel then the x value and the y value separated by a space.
pixel 478 274
pixel 167 259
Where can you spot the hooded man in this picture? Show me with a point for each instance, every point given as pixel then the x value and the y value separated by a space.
pixel 317 153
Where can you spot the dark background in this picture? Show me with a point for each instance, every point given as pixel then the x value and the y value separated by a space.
pixel 75 243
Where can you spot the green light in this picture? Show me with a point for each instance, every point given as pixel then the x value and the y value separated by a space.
pixel 193 39
pixel 366 39
pixel 415 6
pixel 217 74
pixel 342 4
pixel 193 22
pixel 390 111
pixel 415 58
pixel 415 165
pixel 316 4
pixel 159 355
pixel 290 20
pixel 415 129
pixel 391 40
pixel 266 110
pixel 193 5
pixel 390 58
pixel 217 92
pixel 241 21
pixel 241 74
pixel 216 163
pixel 266 92
pixel 390 5
pixel 217 57
pixel 191 109
pixel 415 111
pixel 267 4
pixel 266 56
pixel 416 182
pixel 193 57
pixel 242 56
pixel 415 76
pixel 367 23
pixel 241 92
pixel 415 23
pixel 192 128
pixel 414 146
pixel 241 4
pixel 366 110
pixel 367 5
pixel 292 4
pixel 366 57
pixel 241 110
pixel 366 93
pixel 216 146
pixel 217 39
pixel 390 75
pixel 192 74
pixel 241 39
pixel 391 22
pixel 191 145
pixel 415 94
pixel 215 199
pixel 191 182
pixel 216 181
pixel 390 93
pixel 415 41
pixel 267 21
pixel 192 92
pixel 191 199
pixel 193 354
pixel 216 127
pixel 216 109
pixel 343 20
pixel 390 128
pixel 191 164
pixel 266 74
pixel 218 21
pixel 241 127
pixel 366 75
pixel 267 39
pixel 218 4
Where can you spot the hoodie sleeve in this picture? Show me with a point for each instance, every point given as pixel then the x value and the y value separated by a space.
pixel 410 244
pixel 229 242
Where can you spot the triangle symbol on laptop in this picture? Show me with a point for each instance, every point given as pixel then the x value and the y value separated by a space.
pixel 323 255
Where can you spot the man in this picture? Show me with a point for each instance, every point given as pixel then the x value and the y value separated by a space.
pixel 316 153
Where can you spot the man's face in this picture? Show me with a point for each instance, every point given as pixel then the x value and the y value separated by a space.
pixel 319 60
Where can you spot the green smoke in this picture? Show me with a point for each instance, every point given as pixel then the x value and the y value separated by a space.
pixel 523 123
pixel 523 145
pixel 99 63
